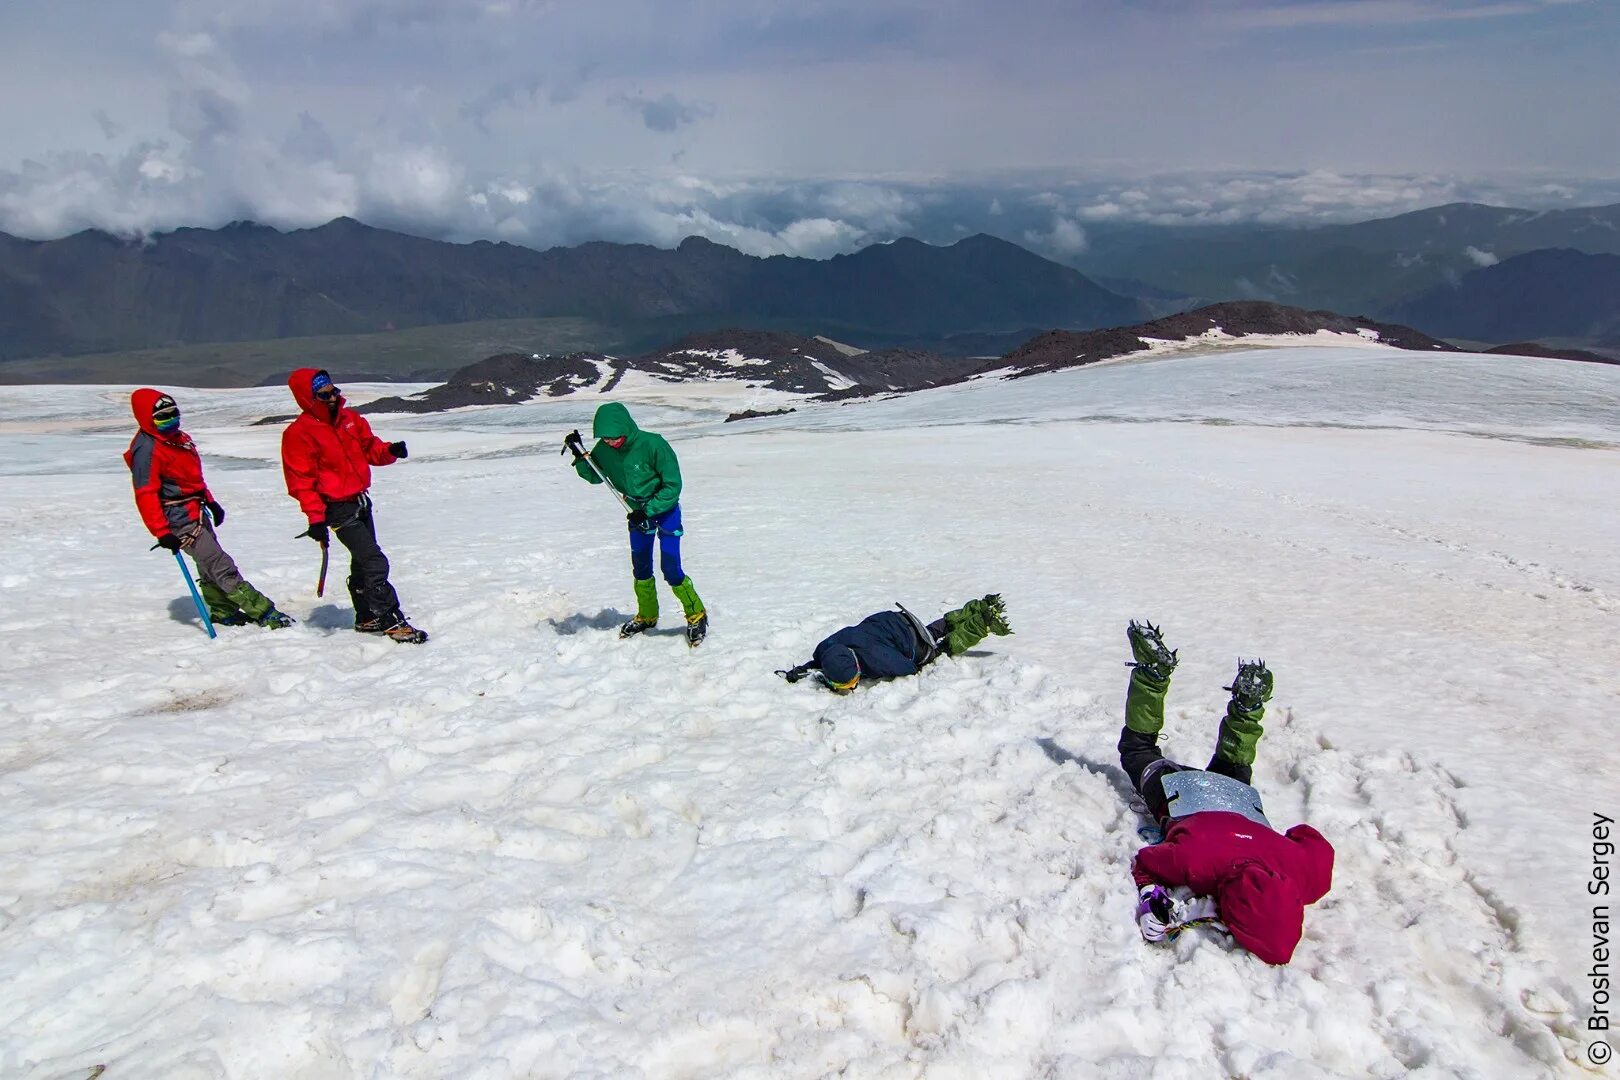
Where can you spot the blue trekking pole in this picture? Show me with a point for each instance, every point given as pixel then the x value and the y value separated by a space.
pixel 202 608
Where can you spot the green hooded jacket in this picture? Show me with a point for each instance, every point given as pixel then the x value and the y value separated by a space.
pixel 644 469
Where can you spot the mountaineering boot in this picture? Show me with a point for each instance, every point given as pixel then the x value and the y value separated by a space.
pixel 697 628
pixel 697 619
pixel 637 625
pixel 646 609
pixel 220 608
pixel 252 603
pixel 396 629
pixel 1152 656
pixel 275 620
pixel 1240 727
pixel 368 626
pixel 1150 679
pixel 967 625
pixel 1251 687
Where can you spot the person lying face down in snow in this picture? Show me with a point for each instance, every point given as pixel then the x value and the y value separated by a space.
pixel 890 644
pixel 1220 861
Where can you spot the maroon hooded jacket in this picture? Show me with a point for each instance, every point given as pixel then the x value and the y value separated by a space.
pixel 1261 879
pixel 326 456
pixel 165 469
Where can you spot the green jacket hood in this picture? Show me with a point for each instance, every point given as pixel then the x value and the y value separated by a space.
pixel 612 421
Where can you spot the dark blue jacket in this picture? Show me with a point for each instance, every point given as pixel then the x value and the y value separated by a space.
pixel 884 646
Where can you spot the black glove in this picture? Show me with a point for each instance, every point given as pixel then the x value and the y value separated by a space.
pixel 398 449
pixel 637 519
pixel 318 533
pixel 576 442
pixel 169 542
pixel 217 512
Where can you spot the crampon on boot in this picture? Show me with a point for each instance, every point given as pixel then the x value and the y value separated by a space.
pixel 1156 659
pixel 637 625
pixel 403 633
pixel 275 620
pixel 1251 687
pixel 697 628
pixel 368 626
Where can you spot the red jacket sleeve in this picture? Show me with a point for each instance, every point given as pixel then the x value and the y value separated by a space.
pixel 299 466
pixel 147 476
pixel 1159 864
pixel 377 451
pixel 1316 860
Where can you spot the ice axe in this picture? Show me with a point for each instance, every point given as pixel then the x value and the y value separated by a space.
pixel 320 582
pixel 576 442
pixel 196 597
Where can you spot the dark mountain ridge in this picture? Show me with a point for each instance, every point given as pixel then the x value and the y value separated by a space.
pixel 1363 266
pixel 770 360
pixel 92 292
pixel 823 370
pixel 1058 349
pixel 1555 293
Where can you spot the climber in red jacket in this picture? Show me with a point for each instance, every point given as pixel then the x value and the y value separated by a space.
pixel 182 513
pixel 1220 861
pixel 326 454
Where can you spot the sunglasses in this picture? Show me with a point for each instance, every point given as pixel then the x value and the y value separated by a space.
pixel 328 393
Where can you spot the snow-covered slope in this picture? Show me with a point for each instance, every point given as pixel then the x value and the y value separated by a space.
pixel 529 849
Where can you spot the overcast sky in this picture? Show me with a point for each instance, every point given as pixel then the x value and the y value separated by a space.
pixel 806 127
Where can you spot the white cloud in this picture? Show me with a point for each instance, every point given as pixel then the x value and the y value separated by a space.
pixel 193 46
pixel 1480 258
pixel 1064 239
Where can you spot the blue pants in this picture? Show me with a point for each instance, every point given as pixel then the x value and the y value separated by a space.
pixel 667 531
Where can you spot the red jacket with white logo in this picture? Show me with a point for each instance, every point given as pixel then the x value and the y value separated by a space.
pixel 165 469
pixel 1261 879
pixel 327 457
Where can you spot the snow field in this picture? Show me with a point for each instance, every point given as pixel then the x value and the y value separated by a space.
pixel 529 849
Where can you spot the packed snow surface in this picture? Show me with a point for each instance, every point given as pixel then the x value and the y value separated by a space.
pixel 528 849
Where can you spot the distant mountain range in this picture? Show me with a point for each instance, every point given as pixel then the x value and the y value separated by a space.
pixel 1369 266
pixel 243 303
pixel 1557 293
pixel 92 292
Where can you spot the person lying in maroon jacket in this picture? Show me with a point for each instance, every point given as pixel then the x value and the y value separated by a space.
pixel 1220 860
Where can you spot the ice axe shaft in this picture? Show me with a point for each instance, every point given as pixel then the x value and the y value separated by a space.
pixel 202 608
pixel 320 582
pixel 575 442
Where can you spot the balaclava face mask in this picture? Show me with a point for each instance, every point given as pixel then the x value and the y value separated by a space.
pixel 165 415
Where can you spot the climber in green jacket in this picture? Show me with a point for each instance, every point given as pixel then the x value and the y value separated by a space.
pixel 642 468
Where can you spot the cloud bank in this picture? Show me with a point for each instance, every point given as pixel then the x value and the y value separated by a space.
pixel 781 127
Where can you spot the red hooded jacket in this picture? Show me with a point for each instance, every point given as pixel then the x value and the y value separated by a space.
pixel 164 469
pixel 1261 879
pixel 327 457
